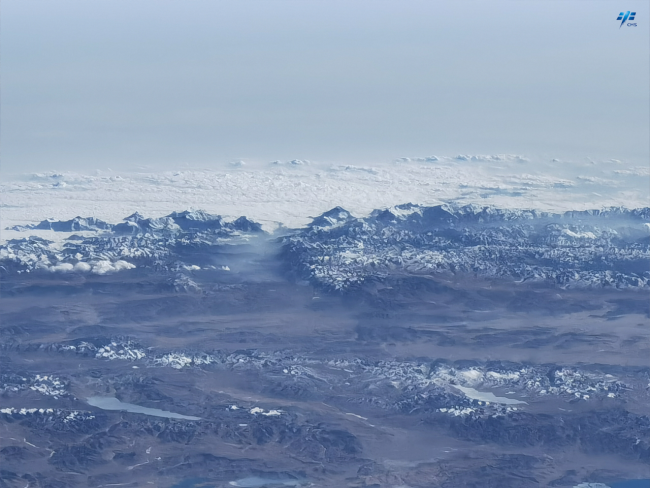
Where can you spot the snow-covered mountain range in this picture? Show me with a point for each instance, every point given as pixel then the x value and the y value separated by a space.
pixel 596 248
pixel 137 241
pixel 607 247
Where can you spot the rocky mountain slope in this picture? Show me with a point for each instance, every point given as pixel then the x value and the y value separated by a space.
pixel 418 346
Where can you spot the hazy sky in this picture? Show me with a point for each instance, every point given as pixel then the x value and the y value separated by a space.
pixel 123 83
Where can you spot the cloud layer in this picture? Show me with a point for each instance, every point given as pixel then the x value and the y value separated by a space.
pixel 290 193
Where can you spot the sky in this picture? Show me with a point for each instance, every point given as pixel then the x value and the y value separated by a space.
pixel 156 84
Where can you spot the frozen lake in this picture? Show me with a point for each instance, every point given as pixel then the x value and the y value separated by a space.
pixel 111 403
pixel 257 482
pixel 486 396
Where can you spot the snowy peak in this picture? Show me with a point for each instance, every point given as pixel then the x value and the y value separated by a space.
pixel 446 215
pixel 135 217
pixel 136 224
pixel 243 224
pixel 73 225
pixel 331 218
pixel 196 219
pixel 161 225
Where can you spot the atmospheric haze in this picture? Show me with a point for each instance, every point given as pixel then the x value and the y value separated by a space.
pixel 160 84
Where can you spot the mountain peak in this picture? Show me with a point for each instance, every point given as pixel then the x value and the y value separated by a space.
pixel 335 216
